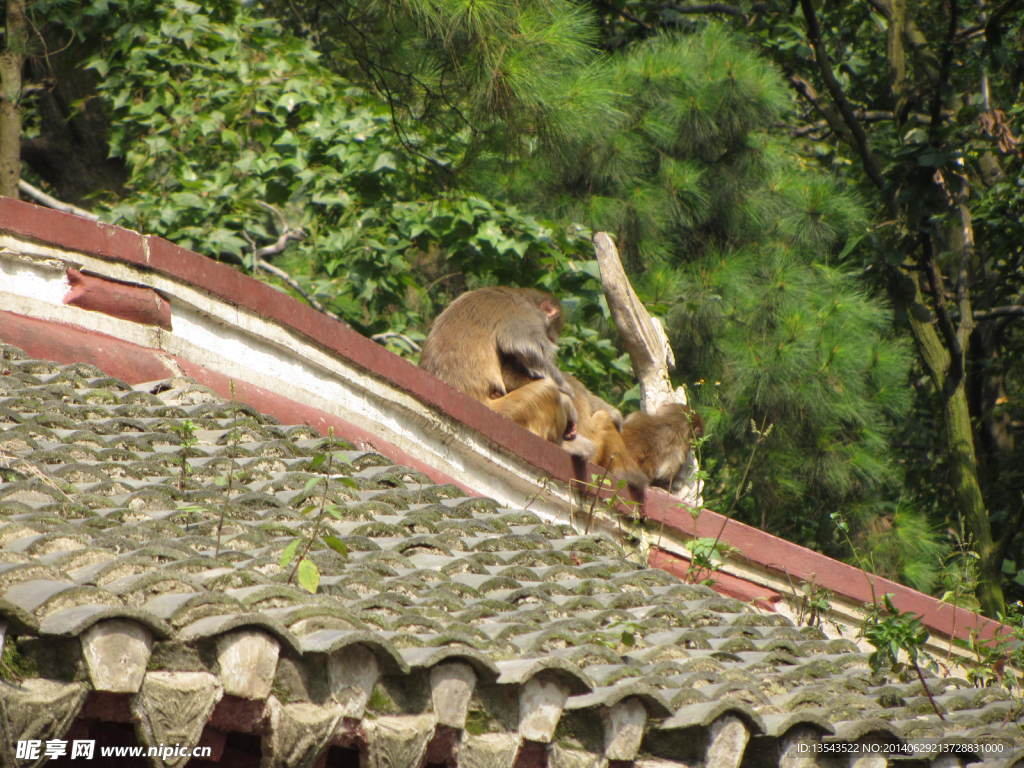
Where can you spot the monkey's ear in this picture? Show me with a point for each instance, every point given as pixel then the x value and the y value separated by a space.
pixel 550 308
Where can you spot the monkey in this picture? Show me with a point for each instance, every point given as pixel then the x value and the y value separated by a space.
pixel 588 404
pixel 601 424
pixel 599 439
pixel 660 442
pixel 487 329
pixel 610 450
pixel 543 409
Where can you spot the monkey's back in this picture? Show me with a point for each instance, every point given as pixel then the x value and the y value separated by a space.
pixel 462 347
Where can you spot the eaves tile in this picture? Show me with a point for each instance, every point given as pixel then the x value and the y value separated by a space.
pixel 74 620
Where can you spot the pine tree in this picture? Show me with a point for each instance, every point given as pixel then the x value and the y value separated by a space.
pixel 736 239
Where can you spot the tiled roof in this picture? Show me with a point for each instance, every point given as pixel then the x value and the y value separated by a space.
pixel 454 632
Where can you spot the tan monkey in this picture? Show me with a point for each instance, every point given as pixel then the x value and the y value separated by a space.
pixel 600 440
pixel 487 329
pixel 660 442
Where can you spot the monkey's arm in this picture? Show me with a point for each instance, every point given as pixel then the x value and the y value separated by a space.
pixel 536 360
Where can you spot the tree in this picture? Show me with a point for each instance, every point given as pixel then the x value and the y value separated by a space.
pixel 917 102
pixel 737 240
pixel 11 60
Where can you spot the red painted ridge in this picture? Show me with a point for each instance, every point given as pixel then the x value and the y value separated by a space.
pixel 799 564
pixel 793 561
pixel 137 303
pixel 725 583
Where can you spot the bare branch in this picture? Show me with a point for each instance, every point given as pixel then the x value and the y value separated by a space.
pixel 1013 310
pixel 648 348
pixel 292 283
pixel 732 10
pixel 645 341
pixel 864 115
pixel 942 85
pixel 52 202
pixel 279 245
pixel 401 338
pixel 832 118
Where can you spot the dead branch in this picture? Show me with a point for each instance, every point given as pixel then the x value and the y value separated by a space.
pixel 649 351
pixel 643 337
pixel 52 202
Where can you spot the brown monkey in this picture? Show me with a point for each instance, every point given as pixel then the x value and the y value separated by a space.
pixel 660 442
pixel 544 410
pixel 600 440
pixel 483 331
pixel 610 449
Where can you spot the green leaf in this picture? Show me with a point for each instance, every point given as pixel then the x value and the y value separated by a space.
pixel 308 576
pixel 288 554
pixel 336 544
pixel 385 161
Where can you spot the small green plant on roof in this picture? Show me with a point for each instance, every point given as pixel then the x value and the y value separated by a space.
pixel 999 661
pixel 608 495
pixel 228 479
pixel 761 435
pixel 297 554
pixel 706 556
pixel 628 632
pixel 186 430
pixel 812 603
pixel 892 633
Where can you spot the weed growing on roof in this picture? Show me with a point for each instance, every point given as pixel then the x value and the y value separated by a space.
pixel 813 602
pixel 892 633
pixel 304 570
pixel 760 436
pixel 1000 660
pixel 186 430
pixel 228 480
pixel 605 495
pixel 706 556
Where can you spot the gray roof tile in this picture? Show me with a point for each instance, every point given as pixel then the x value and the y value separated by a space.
pixel 447 612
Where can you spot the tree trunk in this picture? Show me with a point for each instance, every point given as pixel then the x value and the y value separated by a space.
pixel 11 59
pixel 963 461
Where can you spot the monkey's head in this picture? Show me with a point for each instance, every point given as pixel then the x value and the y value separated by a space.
pixel 552 309
pixel 682 418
